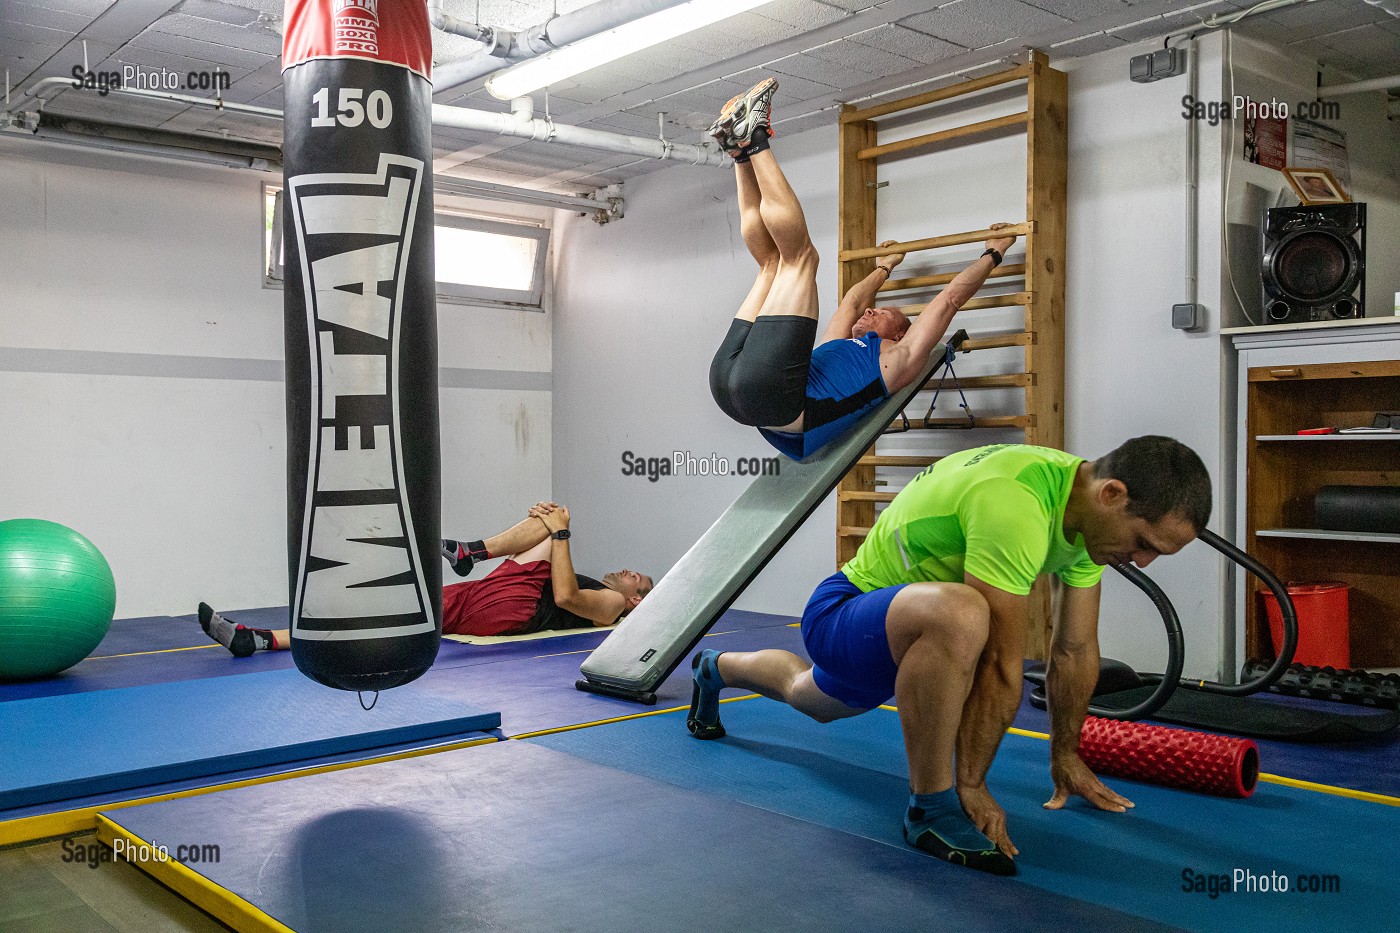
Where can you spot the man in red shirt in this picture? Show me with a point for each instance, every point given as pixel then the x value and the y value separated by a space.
pixel 534 589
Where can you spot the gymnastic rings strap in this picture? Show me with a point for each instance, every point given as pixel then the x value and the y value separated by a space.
pixel 1176 650
pixel 361 695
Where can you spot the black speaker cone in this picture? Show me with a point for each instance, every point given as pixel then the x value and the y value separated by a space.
pixel 1313 266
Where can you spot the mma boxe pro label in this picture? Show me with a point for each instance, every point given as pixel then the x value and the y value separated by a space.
pixel 363 487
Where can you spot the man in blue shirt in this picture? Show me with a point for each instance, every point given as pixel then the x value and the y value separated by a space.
pixel 766 372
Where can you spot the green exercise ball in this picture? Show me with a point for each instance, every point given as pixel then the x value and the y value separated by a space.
pixel 57 597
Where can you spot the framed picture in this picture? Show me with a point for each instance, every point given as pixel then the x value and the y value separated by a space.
pixel 1316 186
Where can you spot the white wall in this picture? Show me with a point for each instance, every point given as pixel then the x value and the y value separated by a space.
pixel 643 303
pixel 1374 142
pixel 140 379
pixel 1127 371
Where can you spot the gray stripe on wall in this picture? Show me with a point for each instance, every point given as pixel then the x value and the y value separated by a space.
pixel 104 363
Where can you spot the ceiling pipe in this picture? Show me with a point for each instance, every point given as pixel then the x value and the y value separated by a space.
pixel 522 123
pixel 506 48
pixel 607 205
pixel 38 87
pixel 607 202
pixel 439 18
pixel 1358 87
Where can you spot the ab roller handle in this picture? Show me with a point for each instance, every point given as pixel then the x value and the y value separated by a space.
pixel 363 485
pixel 1199 761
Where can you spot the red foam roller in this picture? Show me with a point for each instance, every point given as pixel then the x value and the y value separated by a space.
pixel 1199 761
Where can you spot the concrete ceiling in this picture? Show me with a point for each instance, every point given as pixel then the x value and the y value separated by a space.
pixel 824 52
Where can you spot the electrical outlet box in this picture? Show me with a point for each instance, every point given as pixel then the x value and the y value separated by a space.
pixel 1186 316
pixel 1154 66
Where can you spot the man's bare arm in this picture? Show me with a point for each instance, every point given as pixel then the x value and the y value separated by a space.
pixel 990 708
pixel 860 297
pixel 1072 673
pixel 601 607
pixel 909 357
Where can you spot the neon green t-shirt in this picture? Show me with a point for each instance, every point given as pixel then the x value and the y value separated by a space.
pixel 995 512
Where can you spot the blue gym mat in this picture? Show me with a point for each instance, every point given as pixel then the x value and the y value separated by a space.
pixel 138 652
pixel 852 776
pixel 479 839
pixel 109 798
pixel 89 743
pixel 538 693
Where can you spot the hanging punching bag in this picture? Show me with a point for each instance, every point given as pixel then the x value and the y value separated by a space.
pixel 361 332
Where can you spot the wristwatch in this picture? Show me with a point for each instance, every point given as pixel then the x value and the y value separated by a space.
pixel 996 256
pixel 561 535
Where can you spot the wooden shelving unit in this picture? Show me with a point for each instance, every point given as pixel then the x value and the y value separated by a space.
pixel 1041 378
pixel 1285 470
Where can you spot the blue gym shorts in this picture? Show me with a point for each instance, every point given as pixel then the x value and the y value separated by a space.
pixel 843 629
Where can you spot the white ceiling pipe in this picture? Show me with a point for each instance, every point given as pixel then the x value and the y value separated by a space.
pixel 43 84
pixel 556 33
pixel 522 123
pixel 1359 87
pixel 471 188
pixel 439 18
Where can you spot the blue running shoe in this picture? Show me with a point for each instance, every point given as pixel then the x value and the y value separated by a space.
pixel 953 838
pixel 703 719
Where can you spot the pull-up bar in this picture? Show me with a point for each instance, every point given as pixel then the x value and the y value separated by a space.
pixel 937 242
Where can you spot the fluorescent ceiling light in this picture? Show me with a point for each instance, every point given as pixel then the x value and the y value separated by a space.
pixel 613 44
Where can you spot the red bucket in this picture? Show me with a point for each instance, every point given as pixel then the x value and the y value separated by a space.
pixel 1324 628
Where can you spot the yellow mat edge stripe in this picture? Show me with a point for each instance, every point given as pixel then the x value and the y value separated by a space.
pixel 137 654
pixel 630 716
pixel 65 822
pixel 1369 796
pixel 209 897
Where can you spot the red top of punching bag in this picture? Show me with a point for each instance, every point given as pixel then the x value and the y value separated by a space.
pixel 395 32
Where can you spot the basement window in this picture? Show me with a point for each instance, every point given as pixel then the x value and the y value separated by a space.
pixel 478 261
pixel 490 261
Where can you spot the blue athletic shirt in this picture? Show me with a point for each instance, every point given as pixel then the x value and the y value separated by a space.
pixel 843 384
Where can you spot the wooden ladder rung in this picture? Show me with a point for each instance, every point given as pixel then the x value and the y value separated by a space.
pixel 1008 271
pixel 862 495
pixel 943 136
pixel 973 304
pixel 997 381
pixel 852 531
pixel 996 421
pixel 943 93
pixel 952 239
pixel 896 460
pixel 994 341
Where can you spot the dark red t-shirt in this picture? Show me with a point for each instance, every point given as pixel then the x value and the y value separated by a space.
pixel 513 599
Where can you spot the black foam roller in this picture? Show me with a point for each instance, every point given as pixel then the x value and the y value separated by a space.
pixel 1358 508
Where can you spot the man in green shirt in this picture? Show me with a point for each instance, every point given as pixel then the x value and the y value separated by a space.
pixel 933 610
